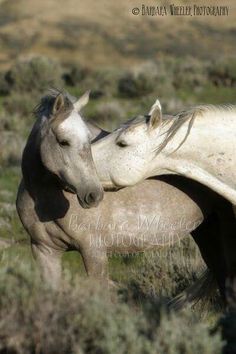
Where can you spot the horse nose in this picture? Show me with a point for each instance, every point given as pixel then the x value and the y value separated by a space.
pixel 93 198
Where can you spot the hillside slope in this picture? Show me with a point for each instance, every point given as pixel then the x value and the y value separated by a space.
pixel 105 32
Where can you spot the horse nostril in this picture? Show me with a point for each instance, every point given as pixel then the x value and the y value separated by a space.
pixel 93 197
pixel 90 198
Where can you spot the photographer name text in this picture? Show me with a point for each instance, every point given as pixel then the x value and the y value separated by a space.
pixel 184 10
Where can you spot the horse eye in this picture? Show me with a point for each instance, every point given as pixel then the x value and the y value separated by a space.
pixel 64 143
pixel 121 144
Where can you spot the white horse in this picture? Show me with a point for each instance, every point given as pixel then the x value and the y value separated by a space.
pixel 199 144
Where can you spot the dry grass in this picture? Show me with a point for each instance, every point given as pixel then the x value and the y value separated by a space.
pixel 106 32
pixel 83 317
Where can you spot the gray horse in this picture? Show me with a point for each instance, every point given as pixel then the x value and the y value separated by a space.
pixel 58 171
pixel 57 157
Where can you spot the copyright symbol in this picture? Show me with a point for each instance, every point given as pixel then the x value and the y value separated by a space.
pixel 135 11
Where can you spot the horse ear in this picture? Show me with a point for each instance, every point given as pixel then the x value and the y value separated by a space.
pixel 82 101
pixel 58 104
pixel 155 115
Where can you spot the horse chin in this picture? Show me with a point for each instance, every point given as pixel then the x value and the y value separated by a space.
pixel 69 189
pixel 111 185
pixel 111 188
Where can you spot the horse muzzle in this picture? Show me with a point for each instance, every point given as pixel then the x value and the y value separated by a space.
pixel 91 199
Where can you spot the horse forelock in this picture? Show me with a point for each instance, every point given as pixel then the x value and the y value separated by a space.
pixel 45 106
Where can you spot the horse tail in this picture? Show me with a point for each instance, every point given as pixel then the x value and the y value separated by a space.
pixel 203 288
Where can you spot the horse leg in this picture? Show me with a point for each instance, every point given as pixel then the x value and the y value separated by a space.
pixel 208 238
pixel 228 237
pixel 96 263
pixel 49 262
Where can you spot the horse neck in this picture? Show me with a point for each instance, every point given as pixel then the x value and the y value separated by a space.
pixel 179 149
pixel 196 157
pixel 34 173
pixel 207 135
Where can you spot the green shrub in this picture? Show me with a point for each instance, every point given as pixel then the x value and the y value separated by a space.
pixel 11 147
pixel 13 128
pixel 108 113
pixel 223 72
pixel 190 74
pixel 182 334
pixel 81 318
pixel 101 82
pixel 75 75
pixel 4 85
pixel 160 73
pixel 131 85
pixel 21 104
pixel 164 274
pixel 173 105
pixel 12 122
pixel 35 74
pixel 147 78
